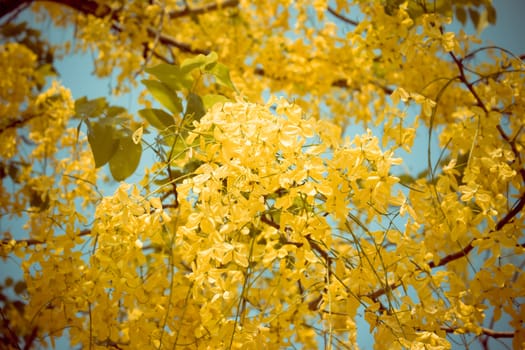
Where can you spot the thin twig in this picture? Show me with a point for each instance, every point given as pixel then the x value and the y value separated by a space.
pixel 341 17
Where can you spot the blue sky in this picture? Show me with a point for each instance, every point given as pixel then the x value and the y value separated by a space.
pixel 75 73
pixel 509 29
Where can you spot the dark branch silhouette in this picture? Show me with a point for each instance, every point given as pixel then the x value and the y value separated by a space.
pixel 341 17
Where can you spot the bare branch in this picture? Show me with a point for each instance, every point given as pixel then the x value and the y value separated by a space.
pixel 101 10
pixel 341 17
pixel 204 9
pixel 376 294
pixel 13 7
pixel 30 241
pixel 169 41
pixel 340 83
pixel 16 123
pixel 487 331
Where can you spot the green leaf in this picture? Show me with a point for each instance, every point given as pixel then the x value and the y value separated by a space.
pixel 113 111
pixel 211 61
pixel 474 16
pixel 461 14
pixel 101 138
pixel 210 100
pixel 195 108
pixel 167 137
pixel 126 158
pixel 192 165
pixel 166 180
pixel 491 14
pixel 222 74
pixel 199 62
pixel 179 147
pixel 85 108
pixel 406 179
pixel 172 76
pixel 157 118
pixel 162 93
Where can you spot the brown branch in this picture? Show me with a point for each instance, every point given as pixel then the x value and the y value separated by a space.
pixel 313 244
pixel 170 41
pixel 464 80
pixel 469 247
pixel 518 206
pixel 100 10
pixel 9 6
pixel 31 241
pixel 10 336
pixel 486 331
pixel 460 254
pixel 87 7
pixel 204 9
pixel 15 123
pixel 470 87
pixel 340 83
pixel 511 214
pixel 268 221
pixel 12 7
pixel 454 256
pixel 341 17
pixel 376 294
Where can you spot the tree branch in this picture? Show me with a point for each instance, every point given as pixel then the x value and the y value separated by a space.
pixel 16 123
pixel 486 331
pixel 100 10
pixel 340 83
pixel 12 7
pixel 460 254
pixel 313 244
pixel 341 17
pixel 518 205
pixel 204 9
pixel 8 6
pixel 30 241
pixel 376 294
pixel 170 41
pixel 468 248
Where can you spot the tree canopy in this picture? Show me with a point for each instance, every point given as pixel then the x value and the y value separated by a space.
pixel 261 218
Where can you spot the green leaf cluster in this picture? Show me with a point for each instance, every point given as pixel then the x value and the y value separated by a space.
pixel 178 88
pixel 109 136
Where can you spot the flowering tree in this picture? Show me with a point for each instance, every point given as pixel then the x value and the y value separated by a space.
pixel 261 223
